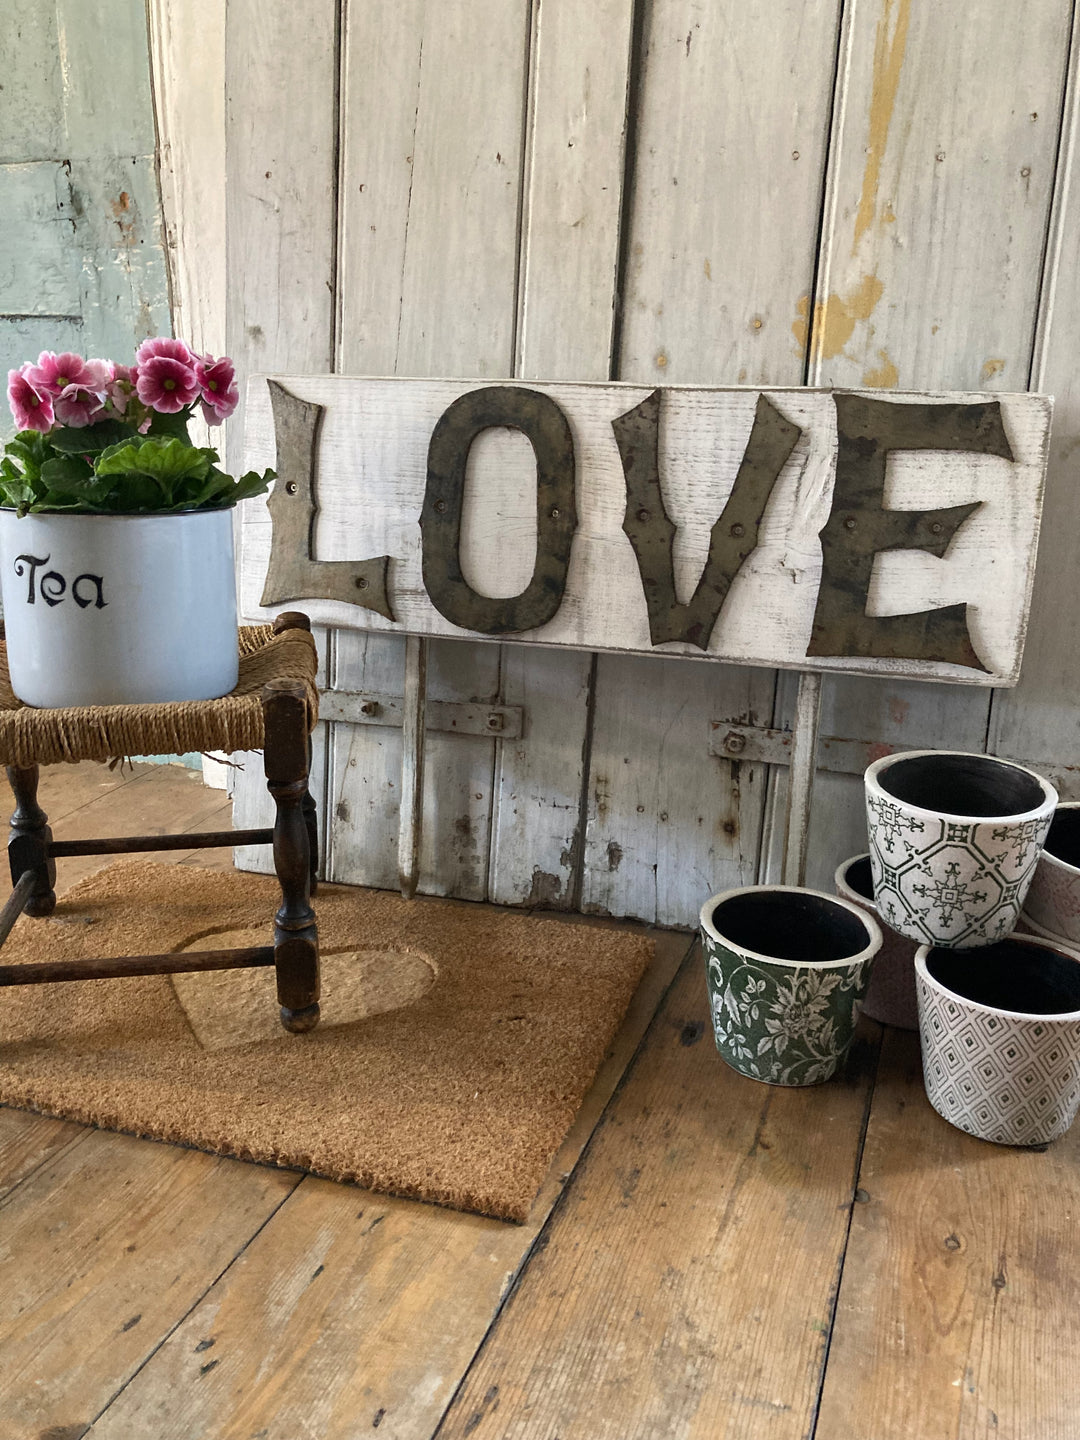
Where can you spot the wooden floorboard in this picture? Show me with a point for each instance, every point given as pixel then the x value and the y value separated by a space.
pixel 351 1312
pixel 712 1266
pixel 687 1282
pixel 959 1312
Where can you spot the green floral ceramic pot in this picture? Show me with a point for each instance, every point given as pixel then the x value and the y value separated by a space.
pixel 787 970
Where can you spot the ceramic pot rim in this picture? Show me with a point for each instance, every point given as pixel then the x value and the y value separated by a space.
pixel 118 514
pixel 873 929
pixel 1056 860
pixel 1052 937
pixel 874 785
pixel 1058 1017
pixel 840 876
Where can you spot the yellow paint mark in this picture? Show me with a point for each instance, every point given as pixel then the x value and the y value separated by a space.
pixel 661 360
pixel 934 329
pixel 888 214
pixel 708 270
pixel 885 377
pixel 888 60
pixel 991 368
pixel 835 318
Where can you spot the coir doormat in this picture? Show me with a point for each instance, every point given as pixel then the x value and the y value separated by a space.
pixel 456 1043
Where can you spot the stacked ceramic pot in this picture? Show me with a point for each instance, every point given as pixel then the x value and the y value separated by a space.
pixel 956 841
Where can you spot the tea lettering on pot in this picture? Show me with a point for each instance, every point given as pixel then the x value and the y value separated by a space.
pixel 53 587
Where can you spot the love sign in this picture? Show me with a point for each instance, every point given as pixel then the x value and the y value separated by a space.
pixel 805 529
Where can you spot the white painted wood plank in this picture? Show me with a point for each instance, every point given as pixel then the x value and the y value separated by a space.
pixel 575 158
pixel 412 766
pixel 936 212
pixel 187 51
pixel 1041 714
pixel 281 129
pixel 729 144
pixel 372 476
pixel 431 173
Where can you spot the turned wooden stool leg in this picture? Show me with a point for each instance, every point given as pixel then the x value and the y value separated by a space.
pixel 296 941
pixel 297 620
pixel 311 820
pixel 29 841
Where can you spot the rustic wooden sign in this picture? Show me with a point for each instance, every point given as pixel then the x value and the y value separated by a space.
pixel 804 529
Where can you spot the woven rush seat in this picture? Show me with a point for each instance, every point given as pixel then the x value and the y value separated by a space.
pixel 104 732
pixel 273 708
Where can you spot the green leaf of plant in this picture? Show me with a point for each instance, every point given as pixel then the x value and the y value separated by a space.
pixel 174 425
pixel 251 484
pixel 68 474
pixel 165 458
pixel 27 452
pixel 89 439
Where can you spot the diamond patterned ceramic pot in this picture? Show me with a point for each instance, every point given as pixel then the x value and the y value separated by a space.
pixel 1001 1038
pixel 954 840
pixel 890 996
pixel 1052 907
pixel 787 969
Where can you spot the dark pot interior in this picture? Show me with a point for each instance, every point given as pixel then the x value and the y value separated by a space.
pixel 1010 976
pixel 790 926
pixel 859 877
pixel 961 785
pixel 1063 841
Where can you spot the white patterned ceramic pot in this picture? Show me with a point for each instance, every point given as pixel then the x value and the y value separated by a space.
pixel 787 969
pixel 118 609
pixel 1001 1038
pixel 954 840
pixel 890 996
pixel 1052 907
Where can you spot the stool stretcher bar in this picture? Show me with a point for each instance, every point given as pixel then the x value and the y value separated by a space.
pixel 135 844
pixel 49 971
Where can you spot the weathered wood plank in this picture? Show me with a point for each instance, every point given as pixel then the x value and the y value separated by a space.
pixel 281 122
pixel 575 165
pixel 104 1249
pixel 27 1141
pixel 956 1314
pixel 921 282
pixel 352 1312
pixel 431 179
pixel 772 454
pixel 731 102
pixel 1041 714
pixel 719 1324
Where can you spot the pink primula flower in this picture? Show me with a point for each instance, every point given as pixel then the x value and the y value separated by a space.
pixel 217 384
pixel 167 349
pixel 121 387
pixel 54 373
pixel 166 385
pixel 32 409
pixel 77 406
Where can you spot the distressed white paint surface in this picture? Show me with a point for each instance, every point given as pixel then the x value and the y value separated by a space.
pixel 429 219
pixel 372 473
pixel 580 60
pixel 281 123
pixel 944 143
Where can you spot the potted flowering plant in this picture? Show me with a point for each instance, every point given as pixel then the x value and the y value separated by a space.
pixel 116 558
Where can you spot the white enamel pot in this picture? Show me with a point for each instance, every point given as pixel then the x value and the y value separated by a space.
pixel 119 609
pixel 954 840
pixel 1000 1038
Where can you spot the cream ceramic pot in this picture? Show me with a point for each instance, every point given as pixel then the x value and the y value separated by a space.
pixel 954 840
pixel 890 996
pixel 1001 1038
pixel 119 609
pixel 1052 907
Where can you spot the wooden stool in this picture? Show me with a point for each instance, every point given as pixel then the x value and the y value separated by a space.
pixel 274 709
